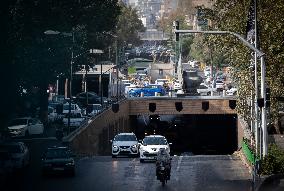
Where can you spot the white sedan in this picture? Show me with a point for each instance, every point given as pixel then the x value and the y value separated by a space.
pixel 25 126
pixel 151 145
pixel 232 91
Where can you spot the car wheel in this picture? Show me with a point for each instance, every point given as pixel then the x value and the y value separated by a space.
pixel 141 160
pixel 27 133
pixel 208 93
pixel 72 173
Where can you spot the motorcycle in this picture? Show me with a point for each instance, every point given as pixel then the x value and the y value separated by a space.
pixel 162 174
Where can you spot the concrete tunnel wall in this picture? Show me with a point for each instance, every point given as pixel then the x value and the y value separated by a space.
pixel 93 138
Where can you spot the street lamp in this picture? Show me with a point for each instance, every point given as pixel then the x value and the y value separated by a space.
pixel 263 88
pixel 52 32
pixel 94 51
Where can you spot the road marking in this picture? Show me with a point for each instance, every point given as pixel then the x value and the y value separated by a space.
pixel 179 161
pixel 37 138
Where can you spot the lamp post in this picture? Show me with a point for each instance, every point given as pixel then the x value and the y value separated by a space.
pixel 260 55
pixel 116 60
pixel 94 51
pixel 52 32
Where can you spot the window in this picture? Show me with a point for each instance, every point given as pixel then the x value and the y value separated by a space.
pixel 160 71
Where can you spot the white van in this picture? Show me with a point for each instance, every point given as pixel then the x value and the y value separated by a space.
pixel 125 81
pixel 162 81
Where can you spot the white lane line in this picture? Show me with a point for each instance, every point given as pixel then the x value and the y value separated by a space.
pixel 36 138
pixel 179 161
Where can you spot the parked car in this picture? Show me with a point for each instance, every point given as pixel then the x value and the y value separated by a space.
pixel 203 89
pixel 219 84
pixel 124 144
pixel 232 91
pixel 18 152
pixel 92 98
pixel 76 119
pixel 58 159
pixel 74 108
pixel 151 145
pixel 177 86
pixel 25 126
pixel 53 116
pixel 94 109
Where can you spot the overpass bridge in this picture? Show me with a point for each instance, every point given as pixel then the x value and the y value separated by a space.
pixel 208 121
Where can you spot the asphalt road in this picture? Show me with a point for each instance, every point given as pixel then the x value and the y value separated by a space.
pixel 201 172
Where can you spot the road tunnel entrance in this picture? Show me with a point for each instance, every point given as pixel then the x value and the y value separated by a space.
pixel 198 134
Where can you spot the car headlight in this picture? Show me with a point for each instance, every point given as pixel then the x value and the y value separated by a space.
pixel 115 146
pixel 70 163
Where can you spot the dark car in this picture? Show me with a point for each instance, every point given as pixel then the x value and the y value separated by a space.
pixel 91 98
pixel 58 159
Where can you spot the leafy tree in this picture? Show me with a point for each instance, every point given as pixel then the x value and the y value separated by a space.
pixel 232 16
pixel 38 58
pixel 128 27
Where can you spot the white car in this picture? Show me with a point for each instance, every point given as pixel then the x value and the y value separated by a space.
pixel 76 119
pixel 151 145
pixel 203 89
pixel 25 126
pixel 19 152
pixel 177 86
pixel 232 91
pixel 219 85
pixel 74 108
pixel 124 144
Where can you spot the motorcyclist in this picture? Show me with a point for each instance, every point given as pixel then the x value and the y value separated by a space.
pixel 164 158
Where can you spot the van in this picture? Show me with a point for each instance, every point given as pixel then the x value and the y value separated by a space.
pixel 162 81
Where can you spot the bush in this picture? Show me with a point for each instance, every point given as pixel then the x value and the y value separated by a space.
pixel 273 163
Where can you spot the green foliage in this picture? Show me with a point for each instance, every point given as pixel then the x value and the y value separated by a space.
pixel 40 58
pixel 273 163
pixel 128 26
pixel 232 16
pixel 131 70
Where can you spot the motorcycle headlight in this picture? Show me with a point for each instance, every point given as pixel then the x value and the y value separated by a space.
pixel 70 163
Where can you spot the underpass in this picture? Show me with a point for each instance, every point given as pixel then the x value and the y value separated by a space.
pixel 200 125
pixel 198 134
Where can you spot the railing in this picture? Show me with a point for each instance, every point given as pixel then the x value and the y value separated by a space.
pixel 248 152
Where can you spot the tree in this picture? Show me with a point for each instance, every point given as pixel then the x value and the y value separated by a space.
pixel 231 15
pixel 38 58
pixel 129 25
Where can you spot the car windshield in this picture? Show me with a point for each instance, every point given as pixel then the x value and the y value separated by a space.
pixel 18 122
pixel 155 141
pixel 125 138
pixel 11 148
pixel 57 153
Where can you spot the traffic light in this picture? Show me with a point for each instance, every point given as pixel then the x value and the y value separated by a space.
pixel 176 27
pixel 267 97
